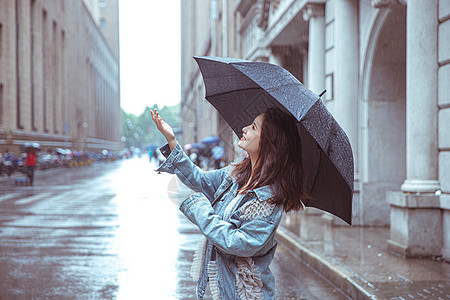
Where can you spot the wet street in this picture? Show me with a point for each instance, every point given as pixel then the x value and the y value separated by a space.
pixel 109 231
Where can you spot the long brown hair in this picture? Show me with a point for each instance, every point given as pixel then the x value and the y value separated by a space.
pixel 279 162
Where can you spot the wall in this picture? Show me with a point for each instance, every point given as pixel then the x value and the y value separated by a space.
pixel 46 77
pixel 444 119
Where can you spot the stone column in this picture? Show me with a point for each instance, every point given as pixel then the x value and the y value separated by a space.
pixel 346 75
pixel 347 68
pixel 224 27
pixel 416 227
pixel 421 97
pixel 315 14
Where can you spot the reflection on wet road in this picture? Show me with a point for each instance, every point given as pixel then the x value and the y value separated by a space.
pixel 109 231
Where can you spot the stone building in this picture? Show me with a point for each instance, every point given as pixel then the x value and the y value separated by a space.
pixel 59 77
pixel 386 67
pixel 208 28
pixel 106 14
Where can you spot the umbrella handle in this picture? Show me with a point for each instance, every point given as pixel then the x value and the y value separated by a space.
pixel 323 92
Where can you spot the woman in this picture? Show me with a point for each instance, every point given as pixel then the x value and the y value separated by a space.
pixel 238 208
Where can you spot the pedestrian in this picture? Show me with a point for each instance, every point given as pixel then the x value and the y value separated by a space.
pixel 31 164
pixel 238 208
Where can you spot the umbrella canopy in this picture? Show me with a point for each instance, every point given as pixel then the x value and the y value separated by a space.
pixel 241 90
pixel 210 140
pixel 198 146
pixel 29 145
pixel 60 151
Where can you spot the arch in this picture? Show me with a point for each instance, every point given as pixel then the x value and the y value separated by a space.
pixel 383 115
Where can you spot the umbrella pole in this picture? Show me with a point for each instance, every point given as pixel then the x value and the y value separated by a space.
pixel 323 92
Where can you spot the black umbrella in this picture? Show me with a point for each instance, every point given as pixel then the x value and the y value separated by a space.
pixel 241 90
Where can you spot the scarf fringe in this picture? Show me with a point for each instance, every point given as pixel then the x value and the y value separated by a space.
pixel 213 283
pixel 199 253
pixel 248 279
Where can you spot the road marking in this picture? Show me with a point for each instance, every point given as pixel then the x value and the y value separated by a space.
pixel 68 196
pixel 33 198
pixel 9 196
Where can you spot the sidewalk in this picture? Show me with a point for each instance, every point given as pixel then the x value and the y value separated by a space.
pixel 356 260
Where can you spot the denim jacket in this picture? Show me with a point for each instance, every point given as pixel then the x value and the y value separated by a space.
pixel 235 255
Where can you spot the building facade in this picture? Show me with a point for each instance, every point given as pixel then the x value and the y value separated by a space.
pixel 105 13
pixel 208 28
pixel 59 78
pixel 385 65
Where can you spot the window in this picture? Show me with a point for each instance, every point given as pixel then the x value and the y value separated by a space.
pixel 18 46
pixel 44 70
pixel 1 104
pixel 1 39
pixel 102 4
pixel 1 49
pixel 32 57
pixel 55 74
pixel 102 23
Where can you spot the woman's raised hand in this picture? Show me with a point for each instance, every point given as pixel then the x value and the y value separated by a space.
pixel 164 128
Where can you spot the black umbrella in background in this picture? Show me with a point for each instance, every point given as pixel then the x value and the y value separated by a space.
pixel 241 90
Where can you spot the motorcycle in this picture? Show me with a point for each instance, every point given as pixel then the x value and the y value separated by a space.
pixel 8 167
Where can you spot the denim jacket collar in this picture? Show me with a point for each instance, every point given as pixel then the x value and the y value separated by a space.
pixel 263 193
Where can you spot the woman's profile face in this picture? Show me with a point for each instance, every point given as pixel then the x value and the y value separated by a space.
pixel 249 141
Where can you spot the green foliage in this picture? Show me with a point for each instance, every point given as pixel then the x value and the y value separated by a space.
pixel 141 132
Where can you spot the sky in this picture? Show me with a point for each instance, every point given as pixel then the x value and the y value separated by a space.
pixel 149 53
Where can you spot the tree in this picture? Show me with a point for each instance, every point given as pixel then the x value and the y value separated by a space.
pixel 141 132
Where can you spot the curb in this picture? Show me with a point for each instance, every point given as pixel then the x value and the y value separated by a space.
pixel 349 283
